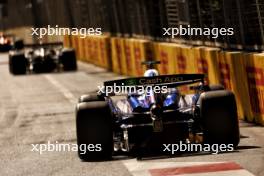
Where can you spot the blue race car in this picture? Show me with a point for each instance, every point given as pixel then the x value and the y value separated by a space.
pixel 141 120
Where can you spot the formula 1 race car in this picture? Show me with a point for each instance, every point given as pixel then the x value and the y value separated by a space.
pixel 8 42
pixel 42 58
pixel 141 121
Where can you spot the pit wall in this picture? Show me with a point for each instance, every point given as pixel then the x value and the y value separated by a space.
pixel 242 73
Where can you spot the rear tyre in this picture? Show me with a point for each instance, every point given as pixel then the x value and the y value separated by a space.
pixel 94 128
pixel 219 117
pixel 90 97
pixel 17 63
pixel 68 60
pixel 214 87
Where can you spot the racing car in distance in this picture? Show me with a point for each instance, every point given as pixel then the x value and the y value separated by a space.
pixel 136 123
pixel 8 42
pixel 42 58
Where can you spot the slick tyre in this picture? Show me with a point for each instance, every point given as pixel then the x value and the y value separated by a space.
pixel 68 60
pixel 17 63
pixel 94 127
pixel 216 87
pixel 219 118
pixel 90 97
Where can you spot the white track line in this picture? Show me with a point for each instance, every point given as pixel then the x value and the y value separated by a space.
pixel 62 89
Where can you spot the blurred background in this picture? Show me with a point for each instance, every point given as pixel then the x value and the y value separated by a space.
pixel 142 18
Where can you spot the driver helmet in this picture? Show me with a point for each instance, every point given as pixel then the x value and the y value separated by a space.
pixel 151 73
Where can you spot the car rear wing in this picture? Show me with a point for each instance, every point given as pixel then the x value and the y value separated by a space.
pixel 43 45
pixel 163 80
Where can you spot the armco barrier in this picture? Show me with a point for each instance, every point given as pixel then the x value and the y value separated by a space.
pixel 206 61
pixel 233 77
pixel 255 76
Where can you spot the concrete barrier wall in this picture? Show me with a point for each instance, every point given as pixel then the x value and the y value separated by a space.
pixel 116 55
pixel 95 50
pixel 233 77
pixel 128 56
pixel 142 51
pixel 206 62
pixel 242 73
pixel 254 65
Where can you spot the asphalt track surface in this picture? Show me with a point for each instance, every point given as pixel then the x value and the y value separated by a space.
pixel 35 109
